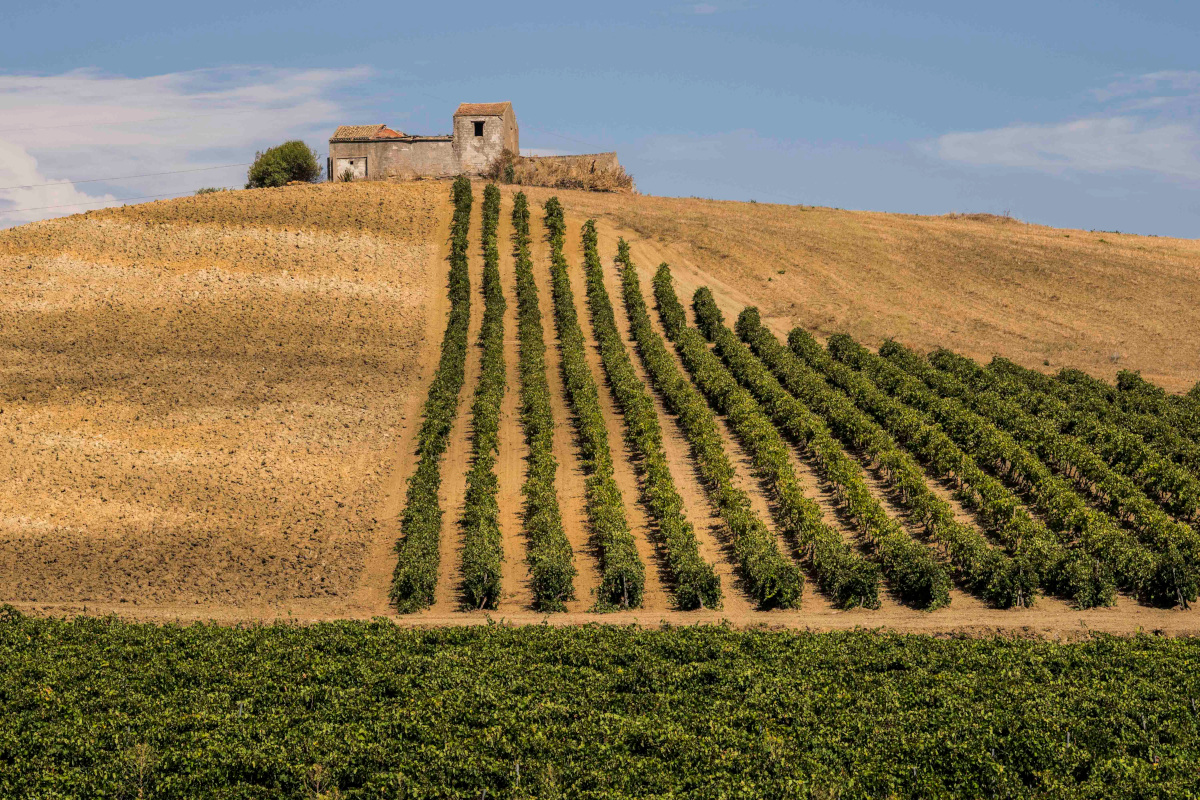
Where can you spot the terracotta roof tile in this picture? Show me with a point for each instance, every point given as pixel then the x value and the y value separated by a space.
pixel 482 109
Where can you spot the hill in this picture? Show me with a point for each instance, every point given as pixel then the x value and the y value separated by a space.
pixel 211 403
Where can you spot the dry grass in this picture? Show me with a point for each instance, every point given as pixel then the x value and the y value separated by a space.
pixel 980 284
pixel 598 172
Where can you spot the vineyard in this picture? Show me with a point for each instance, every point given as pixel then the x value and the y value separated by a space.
pixel 825 475
pixel 565 505
pixel 454 403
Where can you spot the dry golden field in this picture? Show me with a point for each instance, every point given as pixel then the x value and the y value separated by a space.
pixel 201 397
pixel 208 404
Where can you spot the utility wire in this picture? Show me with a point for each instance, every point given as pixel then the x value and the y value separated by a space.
pixel 132 121
pixel 120 178
pixel 97 202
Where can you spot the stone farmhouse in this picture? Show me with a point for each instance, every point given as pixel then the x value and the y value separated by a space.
pixel 482 132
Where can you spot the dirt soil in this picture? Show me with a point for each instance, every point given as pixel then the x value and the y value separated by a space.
pixel 210 403
pixel 203 399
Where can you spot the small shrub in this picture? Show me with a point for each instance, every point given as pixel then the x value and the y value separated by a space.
pixel 290 161
pixel 210 190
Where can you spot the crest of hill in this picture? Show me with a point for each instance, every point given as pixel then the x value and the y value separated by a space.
pixel 980 284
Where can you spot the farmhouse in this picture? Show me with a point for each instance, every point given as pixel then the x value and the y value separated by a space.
pixel 481 133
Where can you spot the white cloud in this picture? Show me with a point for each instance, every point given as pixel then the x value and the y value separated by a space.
pixel 84 124
pixel 1148 122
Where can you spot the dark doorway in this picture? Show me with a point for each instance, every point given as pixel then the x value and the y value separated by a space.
pixel 479 129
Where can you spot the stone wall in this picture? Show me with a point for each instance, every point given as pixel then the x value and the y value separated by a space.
pixel 410 157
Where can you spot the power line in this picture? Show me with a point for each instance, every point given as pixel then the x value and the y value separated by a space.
pixel 134 121
pixel 121 178
pixel 97 202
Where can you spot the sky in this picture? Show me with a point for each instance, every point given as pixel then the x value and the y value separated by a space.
pixel 1074 114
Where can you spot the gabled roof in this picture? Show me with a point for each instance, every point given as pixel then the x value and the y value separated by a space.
pixel 350 133
pixel 483 109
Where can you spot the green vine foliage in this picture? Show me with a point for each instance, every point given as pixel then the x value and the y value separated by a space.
pixel 97 708
pixel 1135 393
pixel 1137 472
pixel 483 545
pixel 415 577
pixel 769 576
pixel 1064 511
pixel 868 419
pixel 843 574
pixel 1092 401
pixel 695 582
pixel 1176 544
pixel 623 574
pixel 551 561
pixel 1000 579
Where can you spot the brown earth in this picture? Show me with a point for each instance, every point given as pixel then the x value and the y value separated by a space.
pixel 203 399
pixel 210 403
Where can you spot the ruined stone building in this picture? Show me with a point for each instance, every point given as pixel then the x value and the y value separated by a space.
pixel 482 131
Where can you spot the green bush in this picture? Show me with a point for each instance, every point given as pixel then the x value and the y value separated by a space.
pixel 290 161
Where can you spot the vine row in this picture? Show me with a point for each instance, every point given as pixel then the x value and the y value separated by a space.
pixel 550 559
pixel 771 579
pixel 415 576
pixel 1132 565
pixel 776 381
pixel 483 545
pixel 622 572
pixel 842 573
pixel 1179 544
pixel 867 417
pixel 696 584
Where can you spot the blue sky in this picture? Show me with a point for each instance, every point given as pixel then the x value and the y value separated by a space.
pixel 1066 113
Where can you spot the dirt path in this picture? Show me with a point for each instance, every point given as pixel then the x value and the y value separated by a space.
pixel 657 593
pixel 570 477
pixel 516 594
pixel 371 596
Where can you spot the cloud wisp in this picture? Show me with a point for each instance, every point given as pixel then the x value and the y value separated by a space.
pixel 84 125
pixel 1148 123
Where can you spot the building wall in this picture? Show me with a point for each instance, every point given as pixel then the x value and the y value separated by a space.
pixel 400 158
pixel 477 153
pixel 435 156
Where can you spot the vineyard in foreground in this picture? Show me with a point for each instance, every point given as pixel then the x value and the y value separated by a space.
pixel 890 476
pixel 478 406
pixel 355 709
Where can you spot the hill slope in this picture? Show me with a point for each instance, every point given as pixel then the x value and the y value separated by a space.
pixel 210 403
pixel 981 285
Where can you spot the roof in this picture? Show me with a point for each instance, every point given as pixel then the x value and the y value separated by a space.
pixel 483 109
pixel 347 133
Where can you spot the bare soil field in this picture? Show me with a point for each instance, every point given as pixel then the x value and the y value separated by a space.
pixel 209 403
pixel 202 399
